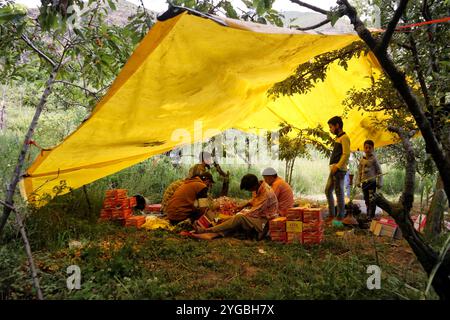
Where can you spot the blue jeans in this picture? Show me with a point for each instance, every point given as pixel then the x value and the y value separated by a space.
pixel 336 182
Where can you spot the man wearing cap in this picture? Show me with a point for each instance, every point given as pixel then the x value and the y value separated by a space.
pixel 181 205
pixel 281 188
pixel 202 167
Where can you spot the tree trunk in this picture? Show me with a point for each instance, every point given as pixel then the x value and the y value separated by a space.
pixel 226 180
pixel 435 215
pixel 433 145
pixel 426 255
pixel 25 146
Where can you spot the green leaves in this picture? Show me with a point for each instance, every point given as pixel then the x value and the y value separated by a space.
pixel 231 13
pixel 12 12
pixel 306 75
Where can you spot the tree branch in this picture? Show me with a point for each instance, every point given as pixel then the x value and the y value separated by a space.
pixel 314 26
pixel 77 86
pixel 434 147
pixel 147 17
pixel 358 25
pixel 7 205
pixel 39 52
pixel 29 253
pixel 418 69
pixel 391 26
pixel 25 146
pixel 310 6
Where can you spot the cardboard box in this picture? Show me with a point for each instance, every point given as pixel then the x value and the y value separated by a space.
pixel 153 207
pixel 133 202
pixel 294 226
pixel 278 236
pixel 204 222
pixel 278 224
pixel 388 221
pixel 386 229
pixel 312 215
pixel 373 224
pixel 295 214
pixel 293 237
pixel 391 232
pixel 135 221
pixel 313 226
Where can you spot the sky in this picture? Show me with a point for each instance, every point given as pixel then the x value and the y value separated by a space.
pixel 161 5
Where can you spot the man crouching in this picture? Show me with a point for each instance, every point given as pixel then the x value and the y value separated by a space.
pixel 262 207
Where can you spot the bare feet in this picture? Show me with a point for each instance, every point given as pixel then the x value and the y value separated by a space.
pixel 206 236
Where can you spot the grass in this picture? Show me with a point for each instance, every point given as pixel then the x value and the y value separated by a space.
pixel 126 263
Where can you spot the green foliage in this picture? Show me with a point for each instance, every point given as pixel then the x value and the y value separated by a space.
pixel 294 142
pixel 139 264
pixel 259 11
pixel 11 12
pixel 309 73
pixel 381 97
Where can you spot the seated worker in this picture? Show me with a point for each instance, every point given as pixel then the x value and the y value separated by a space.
pixel 181 205
pixel 281 188
pixel 202 167
pixel 263 207
pixel 168 193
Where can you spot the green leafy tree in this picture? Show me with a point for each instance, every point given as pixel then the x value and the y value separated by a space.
pixel 294 142
pixel 419 56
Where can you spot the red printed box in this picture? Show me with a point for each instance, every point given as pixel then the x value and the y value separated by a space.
pixel 295 214
pixel 153 207
pixel 388 221
pixel 204 222
pixel 277 224
pixel 121 213
pixel 278 236
pixel 312 215
pixel 313 226
pixel 292 237
pixel 135 221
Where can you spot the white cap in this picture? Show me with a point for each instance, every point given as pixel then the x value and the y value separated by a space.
pixel 269 172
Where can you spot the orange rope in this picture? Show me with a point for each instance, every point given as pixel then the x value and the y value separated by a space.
pixel 423 23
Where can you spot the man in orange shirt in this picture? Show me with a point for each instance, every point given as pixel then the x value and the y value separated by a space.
pixel 263 207
pixel 181 205
pixel 281 188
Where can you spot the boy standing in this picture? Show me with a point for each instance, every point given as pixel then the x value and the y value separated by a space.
pixel 369 176
pixel 338 168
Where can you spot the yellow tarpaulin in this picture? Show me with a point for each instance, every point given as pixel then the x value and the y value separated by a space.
pixel 188 70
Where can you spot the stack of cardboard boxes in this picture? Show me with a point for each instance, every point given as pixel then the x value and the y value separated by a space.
pixel 301 225
pixel 294 225
pixel 313 226
pixel 277 229
pixel 385 227
pixel 134 221
pixel 118 206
